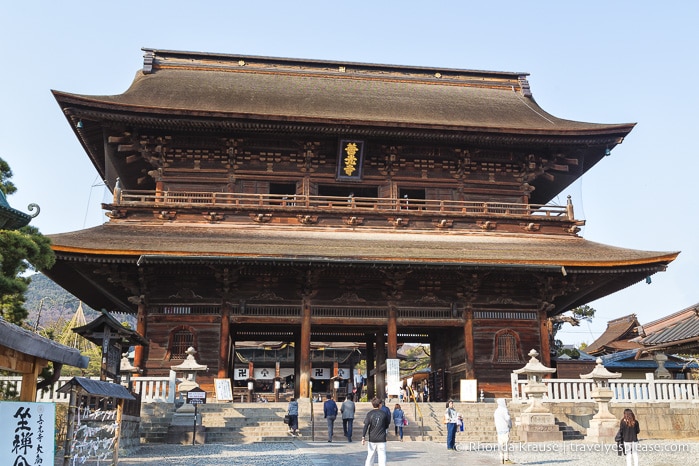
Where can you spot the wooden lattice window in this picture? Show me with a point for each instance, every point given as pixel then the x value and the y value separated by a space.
pixel 181 338
pixel 507 347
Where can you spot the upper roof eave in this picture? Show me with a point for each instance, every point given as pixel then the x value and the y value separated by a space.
pixel 114 239
pixel 78 107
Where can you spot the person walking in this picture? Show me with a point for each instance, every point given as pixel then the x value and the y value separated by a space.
pixel 293 412
pixel 330 413
pixel 375 426
pixel 450 419
pixel 398 420
pixel 503 425
pixel 630 429
pixel 386 410
pixel 347 410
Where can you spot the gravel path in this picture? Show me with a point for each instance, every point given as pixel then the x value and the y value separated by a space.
pixel 303 453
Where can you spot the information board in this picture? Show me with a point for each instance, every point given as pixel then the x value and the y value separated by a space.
pixel 196 396
pixel 393 377
pixel 469 390
pixel 224 392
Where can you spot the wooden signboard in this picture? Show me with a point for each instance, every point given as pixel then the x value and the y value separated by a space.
pixel 223 389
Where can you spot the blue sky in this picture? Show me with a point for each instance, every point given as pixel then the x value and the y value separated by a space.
pixel 594 61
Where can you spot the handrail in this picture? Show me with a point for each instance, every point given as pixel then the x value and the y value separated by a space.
pixel 163 199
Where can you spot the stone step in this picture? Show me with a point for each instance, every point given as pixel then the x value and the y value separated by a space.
pixel 250 422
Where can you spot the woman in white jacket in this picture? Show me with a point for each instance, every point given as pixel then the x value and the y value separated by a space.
pixel 503 424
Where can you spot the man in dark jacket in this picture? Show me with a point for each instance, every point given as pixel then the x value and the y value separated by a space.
pixel 375 425
pixel 330 413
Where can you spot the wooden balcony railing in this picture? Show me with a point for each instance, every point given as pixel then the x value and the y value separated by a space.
pixel 174 199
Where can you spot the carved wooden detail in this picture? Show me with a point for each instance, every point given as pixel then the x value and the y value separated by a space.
pixel 307 219
pixel 117 213
pixel 399 222
pixel 443 223
pixel 487 225
pixel 261 218
pixel 353 221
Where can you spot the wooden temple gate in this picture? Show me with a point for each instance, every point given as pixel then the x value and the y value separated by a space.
pixel 296 202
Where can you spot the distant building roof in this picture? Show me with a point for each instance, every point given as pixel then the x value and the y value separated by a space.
pixel 678 332
pixel 628 360
pixel 617 337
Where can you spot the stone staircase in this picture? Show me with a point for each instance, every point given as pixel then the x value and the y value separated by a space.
pixel 239 423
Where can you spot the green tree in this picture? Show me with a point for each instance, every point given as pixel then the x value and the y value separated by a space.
pixel 578 314
pixel 21 251
pixel 6 186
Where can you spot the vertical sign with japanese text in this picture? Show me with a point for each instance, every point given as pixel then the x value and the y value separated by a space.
pixel 350 160
pixel 393 377
pixel 27 432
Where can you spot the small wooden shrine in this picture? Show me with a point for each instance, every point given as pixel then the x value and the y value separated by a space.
pixel 294 201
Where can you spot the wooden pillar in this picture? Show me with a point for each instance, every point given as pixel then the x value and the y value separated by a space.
pixel 297 365
pixel 468 343
pixel 117 434
pixel 545 353
pixel 305 363
pixel 392 332
pixel 370 365
pixel 139 354
pixel 225 342
pixel 29 380
pixel 72 412
pixel 381 364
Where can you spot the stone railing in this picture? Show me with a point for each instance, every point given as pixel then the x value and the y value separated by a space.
pixel 151 389
pixel 648 389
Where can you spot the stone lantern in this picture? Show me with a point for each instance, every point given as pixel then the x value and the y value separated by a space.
pixel 185 417
pixel 603 425
pixel 537 424
pixel 127 369
pixel 190 367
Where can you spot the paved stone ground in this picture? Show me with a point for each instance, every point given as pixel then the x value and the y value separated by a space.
pixel 305 453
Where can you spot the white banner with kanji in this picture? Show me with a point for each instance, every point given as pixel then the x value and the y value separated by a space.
pixel 27 432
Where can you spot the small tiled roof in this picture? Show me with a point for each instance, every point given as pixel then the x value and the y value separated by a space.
pixel 351 245
pixel 11 219
pixel 97 387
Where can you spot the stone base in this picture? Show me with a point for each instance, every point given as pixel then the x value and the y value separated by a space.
pixel 602 430
pixel 182 435
pixel 539 427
